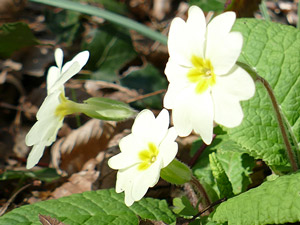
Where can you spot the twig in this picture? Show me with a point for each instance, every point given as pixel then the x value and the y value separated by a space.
pixel 181 221
pixel 5 206
pixel 146 96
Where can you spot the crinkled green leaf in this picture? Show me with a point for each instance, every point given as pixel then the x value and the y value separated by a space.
pixel 273 50
pixel 95 207
pixel 273 202
pixel 221 177
pixel 110 48
pixel 235 162
pixel 237 166
pixel 14 36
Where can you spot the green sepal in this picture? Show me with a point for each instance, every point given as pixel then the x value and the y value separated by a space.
pixel 176 173
pixel 107 109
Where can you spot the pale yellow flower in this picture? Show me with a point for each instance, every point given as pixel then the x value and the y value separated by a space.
pixel 206 86
pixel 150 147
pixel 55 106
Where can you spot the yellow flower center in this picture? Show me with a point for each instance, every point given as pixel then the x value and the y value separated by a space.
pixel 148 156
pixel 66 107
pixel 202 73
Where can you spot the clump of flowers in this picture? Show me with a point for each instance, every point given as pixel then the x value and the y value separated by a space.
pixel 206 86
pixel 150 147
pixel 55 106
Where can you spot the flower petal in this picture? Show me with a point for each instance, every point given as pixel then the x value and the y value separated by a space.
pixel 220 25
pixel 168 148
pixel 59 56
pixel 238 83
pixel 81 58
pixel 145 180
pixel 176 73
pixel 177 43
pixel 194 111
pixel 174 90
pixel 44 130
pixel 228 111
pixel 123 161
pixel 145 127
pixel 35 155
pixel 196 27
pixel 223 52
pixel 228 91
pixel 49 105
pixel 71 68
pixel 52 76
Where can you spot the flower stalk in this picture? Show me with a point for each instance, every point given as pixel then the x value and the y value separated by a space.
pixel 281 124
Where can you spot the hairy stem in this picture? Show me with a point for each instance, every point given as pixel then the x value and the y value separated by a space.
pixel 201 190
pixel 281 124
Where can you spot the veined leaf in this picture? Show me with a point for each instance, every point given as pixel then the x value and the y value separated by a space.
pixel 274 202
pixel 273 50
pixel 14 36
pixel 221 177
pixel 95 207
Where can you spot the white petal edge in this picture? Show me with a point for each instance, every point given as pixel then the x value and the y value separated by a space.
pixel 176 73
pixel 35 155
pixel 196 28
pixel 224 51
pixel 59 55
pixel 178 44
pixel 168 148
pixel 122 161
pixel 144 125
pixel 238 83
pixel 228 111
pixel 52 77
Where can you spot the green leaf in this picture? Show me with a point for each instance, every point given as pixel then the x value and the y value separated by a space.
pixel 222 180
pixel 183 207
pixel 147 79
pixel 91 208
pixel 237 166
pixel 112 17
pixel 235 162
pixel 176 173
pixel 47 174
pixel 274 202
pixel 110 48
pixel 209 5
pixel 15 36
pixel 107 109
pixel 273 50
pixel 64 24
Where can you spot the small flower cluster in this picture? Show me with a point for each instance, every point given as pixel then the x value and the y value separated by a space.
pixel 205 88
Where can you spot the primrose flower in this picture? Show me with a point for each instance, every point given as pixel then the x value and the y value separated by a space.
pixel 206 85
pixel 55 106
pixel 150 147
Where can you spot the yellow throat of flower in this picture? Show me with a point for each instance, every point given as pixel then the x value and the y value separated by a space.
pixel 202 73
pixel 148 156
pixel 66 107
